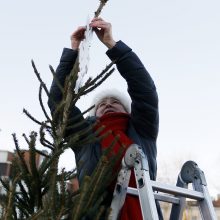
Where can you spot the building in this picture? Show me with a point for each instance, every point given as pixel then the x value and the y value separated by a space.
pixel 6 158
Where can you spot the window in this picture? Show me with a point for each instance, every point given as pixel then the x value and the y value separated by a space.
pixel 4 169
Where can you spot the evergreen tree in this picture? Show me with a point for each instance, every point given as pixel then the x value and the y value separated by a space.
pixel 34 192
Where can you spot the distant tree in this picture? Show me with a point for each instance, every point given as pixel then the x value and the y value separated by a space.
pixel 168 172
pixel 169 168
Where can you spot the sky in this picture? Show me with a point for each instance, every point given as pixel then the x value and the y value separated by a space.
pixel 178 42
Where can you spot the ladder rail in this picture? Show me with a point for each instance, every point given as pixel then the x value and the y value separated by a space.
pixel 205 206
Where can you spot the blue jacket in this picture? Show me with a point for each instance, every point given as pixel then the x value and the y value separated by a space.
pixel 143 125
pixel 144 120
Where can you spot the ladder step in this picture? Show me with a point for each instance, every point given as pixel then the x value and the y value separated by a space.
pixel 167 198
pixel 173 190
pixel 177 191
pixel 157 196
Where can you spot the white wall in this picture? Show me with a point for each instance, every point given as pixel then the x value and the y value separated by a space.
pixel 3 156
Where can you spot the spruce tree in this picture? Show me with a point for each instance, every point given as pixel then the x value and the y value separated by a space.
pixel 34 192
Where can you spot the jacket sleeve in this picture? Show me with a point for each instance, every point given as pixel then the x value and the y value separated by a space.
pixel 141 88
pixel 64 68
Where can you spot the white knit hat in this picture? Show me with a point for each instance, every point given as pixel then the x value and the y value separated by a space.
pixel 114 93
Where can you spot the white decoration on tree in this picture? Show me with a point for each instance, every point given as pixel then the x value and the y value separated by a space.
pixel 84 56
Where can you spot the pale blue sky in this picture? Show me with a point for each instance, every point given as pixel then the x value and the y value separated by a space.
pixel 178 41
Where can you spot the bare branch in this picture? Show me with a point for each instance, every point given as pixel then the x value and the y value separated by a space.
pixel 39 78
pixel 101 5
pixel 31 117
